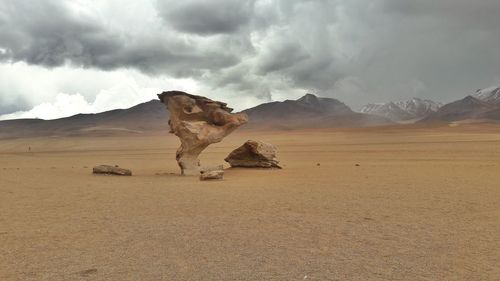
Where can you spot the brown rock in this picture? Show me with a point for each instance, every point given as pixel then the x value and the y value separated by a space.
pixel 212 168
pixel 254 154
pixel 111 170
pixel 198 122
pixel 212 175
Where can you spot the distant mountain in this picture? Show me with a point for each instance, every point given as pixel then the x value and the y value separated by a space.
pixel 388 110
pixel 147 116
pixel 415 108
pixel 419 108
pixel 307 106
pixel 483 105
pixel 309 111
pixel 464 109
pixel 490 95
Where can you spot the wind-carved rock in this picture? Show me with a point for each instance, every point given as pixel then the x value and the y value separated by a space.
pixel 198 122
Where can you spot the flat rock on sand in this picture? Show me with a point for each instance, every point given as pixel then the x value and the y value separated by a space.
pixel 212 175
pixel 111 170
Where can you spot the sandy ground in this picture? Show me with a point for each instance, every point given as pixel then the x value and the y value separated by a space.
pixel 422 205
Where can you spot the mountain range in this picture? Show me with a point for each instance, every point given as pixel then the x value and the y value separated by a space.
pixel 413 109
pixel 308 111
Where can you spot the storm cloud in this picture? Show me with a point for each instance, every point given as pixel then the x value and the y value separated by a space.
pixel 53 33
pixel 261 50
pixel 207 17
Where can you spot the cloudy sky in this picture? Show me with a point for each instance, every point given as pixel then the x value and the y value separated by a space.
pixel 59 57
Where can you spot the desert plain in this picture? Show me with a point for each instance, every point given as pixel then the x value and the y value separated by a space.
pixel 392 203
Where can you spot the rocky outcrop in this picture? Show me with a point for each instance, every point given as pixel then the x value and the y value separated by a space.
pixel 254 154
pixel 111 170
pixel 198 122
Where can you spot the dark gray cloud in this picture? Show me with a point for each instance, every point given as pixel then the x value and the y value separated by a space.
pixel 207 17
pixel 50 34
pixel 357 50
pixel 10 103
pixel 438 49
pixel 46 33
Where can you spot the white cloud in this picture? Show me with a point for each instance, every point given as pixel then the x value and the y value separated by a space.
pixel 61 92
pixel 65 91
pixel 64 105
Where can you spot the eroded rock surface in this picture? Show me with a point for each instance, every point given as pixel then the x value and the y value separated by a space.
pixel 198 122
pixel 254 154
pixel 111 170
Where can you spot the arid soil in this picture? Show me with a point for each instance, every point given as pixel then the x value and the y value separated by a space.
pixel 360 204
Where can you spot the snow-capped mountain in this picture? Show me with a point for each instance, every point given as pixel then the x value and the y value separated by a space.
pixel 415 108
pixel 388 110
pixel 490 95
pixel 419 108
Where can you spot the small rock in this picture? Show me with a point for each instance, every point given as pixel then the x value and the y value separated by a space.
pixel 214 168
pixel 212 175
pixel 319 164
pixel 357 165
pixel 110 170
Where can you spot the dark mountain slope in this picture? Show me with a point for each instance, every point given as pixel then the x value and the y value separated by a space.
pixel 467 108
pixel 309 111
pixel 147 116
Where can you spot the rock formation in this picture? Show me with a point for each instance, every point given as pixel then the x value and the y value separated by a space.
pixel 111 170
pixel 254 154
pixel 198 122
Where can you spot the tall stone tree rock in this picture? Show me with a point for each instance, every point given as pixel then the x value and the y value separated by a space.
pixel 198 122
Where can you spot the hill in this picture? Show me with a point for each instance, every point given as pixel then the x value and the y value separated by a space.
pixel 464 109
pixel 309 111
pixel 147 116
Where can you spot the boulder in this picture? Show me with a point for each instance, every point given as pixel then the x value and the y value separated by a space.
pixel 254 154
pixel 198 122
pixel 212 175
pixel 111 170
